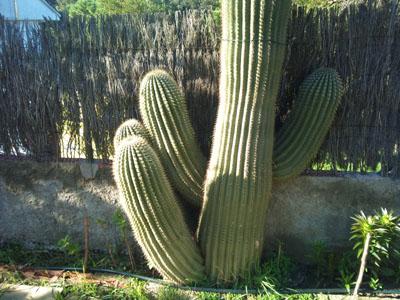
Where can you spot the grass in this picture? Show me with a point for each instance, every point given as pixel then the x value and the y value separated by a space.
pixel 139 292
pixel 120 288
pixel 132 289
pixel 15 254
pixel 278 273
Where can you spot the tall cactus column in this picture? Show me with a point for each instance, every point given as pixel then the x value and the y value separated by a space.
pixel 238 181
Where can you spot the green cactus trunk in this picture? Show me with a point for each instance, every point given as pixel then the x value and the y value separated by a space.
pixel 166 117
pixel 154 214
pixel 302 134
pixel 238 182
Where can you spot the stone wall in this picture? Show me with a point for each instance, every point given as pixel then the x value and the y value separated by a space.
pixel 42 203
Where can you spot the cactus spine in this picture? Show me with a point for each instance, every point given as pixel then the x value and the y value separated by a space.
pixel 238 182
pixel 303 132
pixel 166 117
pixel 130 128
pixel 154 214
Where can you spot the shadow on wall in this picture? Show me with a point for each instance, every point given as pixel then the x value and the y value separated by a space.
pixel 42 203
pixel 310 210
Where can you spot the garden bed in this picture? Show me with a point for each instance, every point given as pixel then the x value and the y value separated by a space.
pixel 280 277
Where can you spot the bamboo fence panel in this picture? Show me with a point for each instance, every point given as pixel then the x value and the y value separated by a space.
pixel 66 86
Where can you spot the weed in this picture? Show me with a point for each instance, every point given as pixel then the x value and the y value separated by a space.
pixel 68 247
pixel 380 233
pixel 324 264
pixel 119 220
pixel 347 266
pixel 58 296
pixel 134 290
pixel 11 277
pixel 208 296
pixel 15 277
pixel 269 288
pixel 168 293
pixel 375 284
pixel 281 297
pixel 277 271
pixel 346 280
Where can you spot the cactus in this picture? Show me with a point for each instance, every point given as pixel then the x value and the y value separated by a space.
pixel 130 128
pixel 239 177
pixel 303 132
pixel 166 117
pixel 154 214
pixel 245 154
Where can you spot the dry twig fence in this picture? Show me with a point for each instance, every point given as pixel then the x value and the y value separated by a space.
pixel 65 87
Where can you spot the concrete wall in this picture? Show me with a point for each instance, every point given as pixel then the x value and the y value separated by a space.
pixel 41 203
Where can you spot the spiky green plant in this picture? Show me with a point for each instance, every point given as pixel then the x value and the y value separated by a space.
pixel 302 134
pixel 238 183
pixel 165 115
pixel 239 178
pixel 154 214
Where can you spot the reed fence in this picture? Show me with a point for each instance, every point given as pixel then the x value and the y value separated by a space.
pixel 66 86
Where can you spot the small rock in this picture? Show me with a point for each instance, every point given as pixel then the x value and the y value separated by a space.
pixel 89 169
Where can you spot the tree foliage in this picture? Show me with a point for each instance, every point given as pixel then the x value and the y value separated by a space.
pixel 112 7
pixel 83 7
pixel 313 3
pixel 126 6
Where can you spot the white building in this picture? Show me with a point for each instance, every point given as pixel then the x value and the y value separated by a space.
pixel 27 14
pixel 28 11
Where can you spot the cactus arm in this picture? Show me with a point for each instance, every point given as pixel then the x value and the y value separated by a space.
pixel 239 175
pixel 130 128
pixel 165 115
pixel 302 134
pixel 154 214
